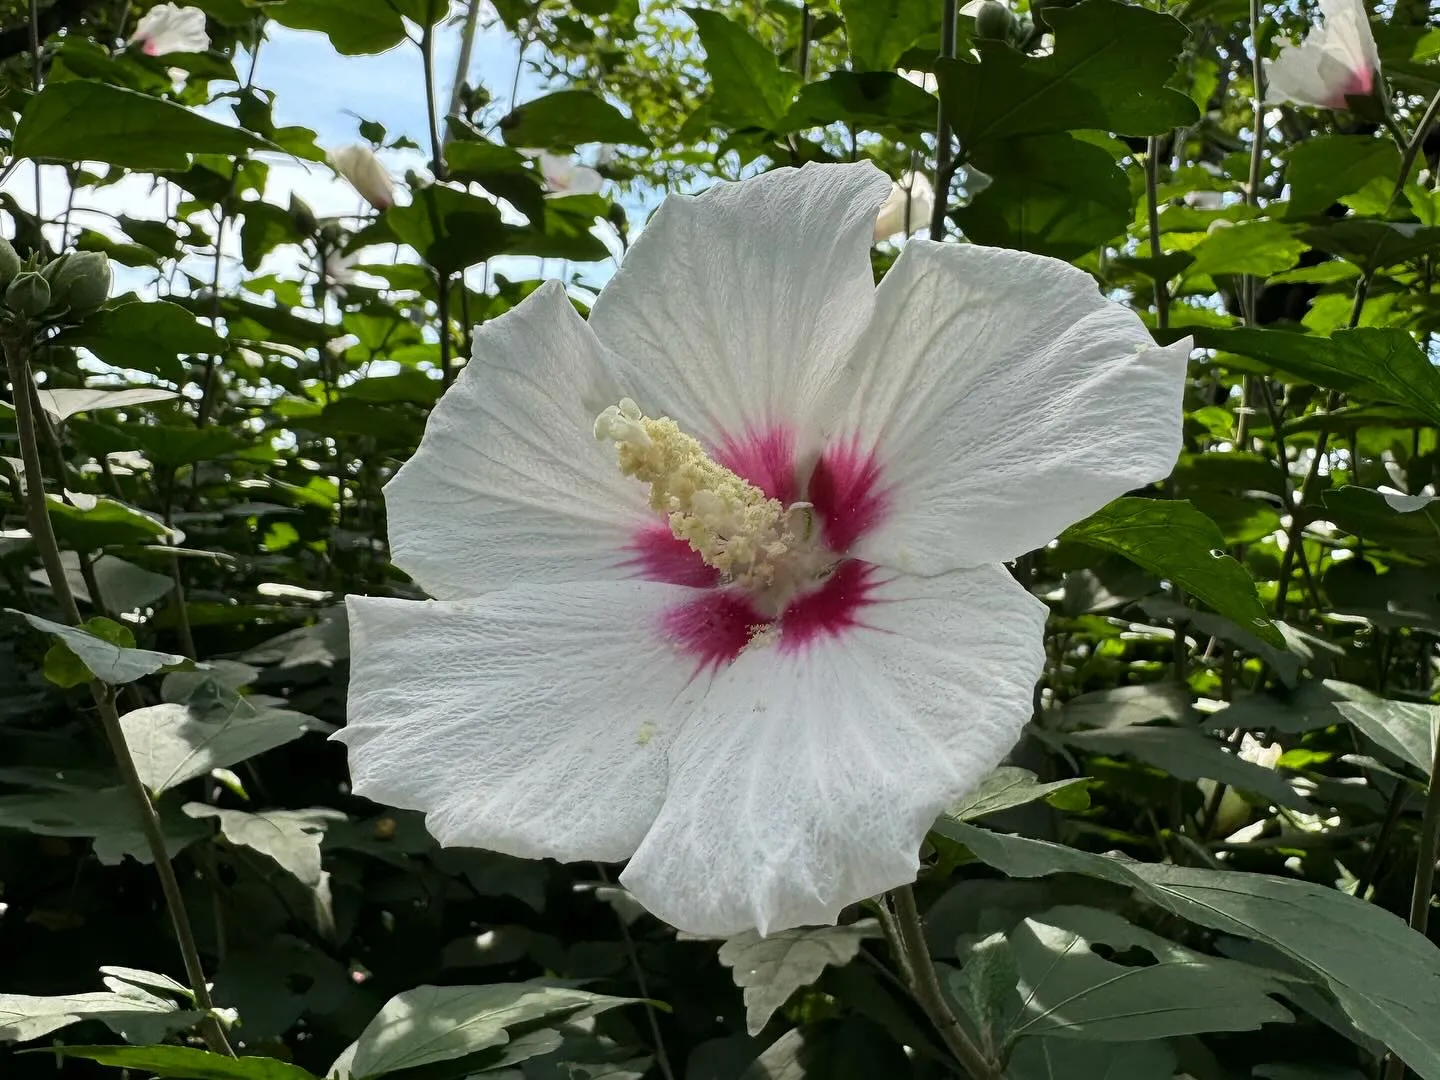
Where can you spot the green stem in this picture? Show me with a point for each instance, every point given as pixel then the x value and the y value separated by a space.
pixel 943 168
pixel 427 58
pixel 925 984
pixel 17 356
pixel 1152 207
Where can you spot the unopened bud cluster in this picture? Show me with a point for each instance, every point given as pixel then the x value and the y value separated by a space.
pixel 63 290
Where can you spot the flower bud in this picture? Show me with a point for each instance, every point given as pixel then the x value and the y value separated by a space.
pixel 10 264
pixel 362 168
pixel 993 20
pixel 28 294
pixel 79 282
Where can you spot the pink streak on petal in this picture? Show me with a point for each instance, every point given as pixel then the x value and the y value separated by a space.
pixel 832 609
pixel 713 627
pixel 845 489
pixel 656 555
pixel 765 457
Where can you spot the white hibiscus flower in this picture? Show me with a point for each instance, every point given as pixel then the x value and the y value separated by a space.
pixel 766 716
pixel 1337 60
pixel 566 176
pixel 170 28
pixel 907 208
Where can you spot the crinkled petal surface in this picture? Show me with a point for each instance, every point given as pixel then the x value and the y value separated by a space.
pixel 509 483
pixel 806 780
pixel 532 721
pixel 1006 399
pixel 734 306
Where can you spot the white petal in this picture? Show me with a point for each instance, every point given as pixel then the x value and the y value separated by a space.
pixel 1337 58
pixel 532 721
pixel 1006 400
pixel 509 483
pixel 908 207
pixel 806 781
pixel 169 28
pixel 359 165
pixel 734 305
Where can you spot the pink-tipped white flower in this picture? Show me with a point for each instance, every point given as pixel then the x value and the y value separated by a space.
pixel 1337 60
pixel 170 28
pixel 907 208
pixel 717 573
pixel 565 176
pixel 359 165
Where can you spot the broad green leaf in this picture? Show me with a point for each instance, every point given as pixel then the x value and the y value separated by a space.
pixel 450 229
pixel 91 121
pixel 146 979
pixel 1122 706
pixel 1407 729
pixel 1408 523
pixel 147 335
pixel 1066 1059
pixel 498 169
pixel 172 743
pixel 133 1015
pixel 1108 71
pixel 1051 194
pixel 90 523
pixel 871 100
pixel 186 1063
pixel 174 444
pixel 438 1023
pixel 63 404
pixel 1378 363
pixel 291 837
pixel 879 32
pixel 1249 247
pixel 1005 787
pixel 1286 664
pixel 354 29
pixel 1069 991
pixel 1188 754
pixel 771 968
pixel 109 817
pixel 569 118
pixel 748 86
pixel 1384 975
pixel 987 988
pixel 1321 170
pixel 1174 540
pixel 1374 244
pixel 110 663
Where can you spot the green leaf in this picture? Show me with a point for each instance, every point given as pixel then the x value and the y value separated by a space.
pixel 1051 194
pixel 1007 786
pixel 849 1049
pixel 499 170
pixel 1108 72
pixel 1069 991
pixel 186 1063
pixel 1407 523
pixel 266 226
pixel 569 118
pixel 987 989
pixel 354 29
pixel 748 87
pixel 770 969
pixel 91 121
pixel 175 445
pixel 1250 247
pixel 109 817
pixel 1385 364
pixel 457 1020
pixel 88 523
pixel 110 663
pixel 1066 1059
pixel 871 100
pixel 450 229
pixel 1374 244
pixel 880 32
pixel 1384 975
pixel 1176 541
pixel 290 837
pixel 1321 170
pixel 1407 729
pixel 1121 706
pixel 24 1017
pixel 172 743
pixel 147 335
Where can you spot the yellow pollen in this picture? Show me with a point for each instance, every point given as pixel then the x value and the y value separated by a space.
pixel 728 520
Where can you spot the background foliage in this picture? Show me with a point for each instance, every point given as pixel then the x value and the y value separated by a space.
pixel 1269 778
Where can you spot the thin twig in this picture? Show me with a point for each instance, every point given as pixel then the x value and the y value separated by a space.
pixel 462 64
pixel 943 168
pixel 427 58
pixel 1152 207
pixel 641 984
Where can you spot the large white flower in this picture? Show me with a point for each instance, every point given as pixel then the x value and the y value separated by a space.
pixel 1337 60
pixel 170 28
pixel 359 165
pixel 766 716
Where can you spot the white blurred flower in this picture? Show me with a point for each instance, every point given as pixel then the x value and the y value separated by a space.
pixel 1234 811
pixel 170 28
pixel 1338 59
pixel 1204 200
pixel 907 208
pixel 565 176
pixel 358 164
pixel 754 636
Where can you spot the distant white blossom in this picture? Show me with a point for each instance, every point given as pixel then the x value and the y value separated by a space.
pixel 907 208
pixel 170 28
pixel 358 164
pixel 566 176
pixel 1337 60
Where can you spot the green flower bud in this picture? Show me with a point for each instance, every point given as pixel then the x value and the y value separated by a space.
pixel 994 20
pixel 79 282
pixel 28 294
pixel 10 264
